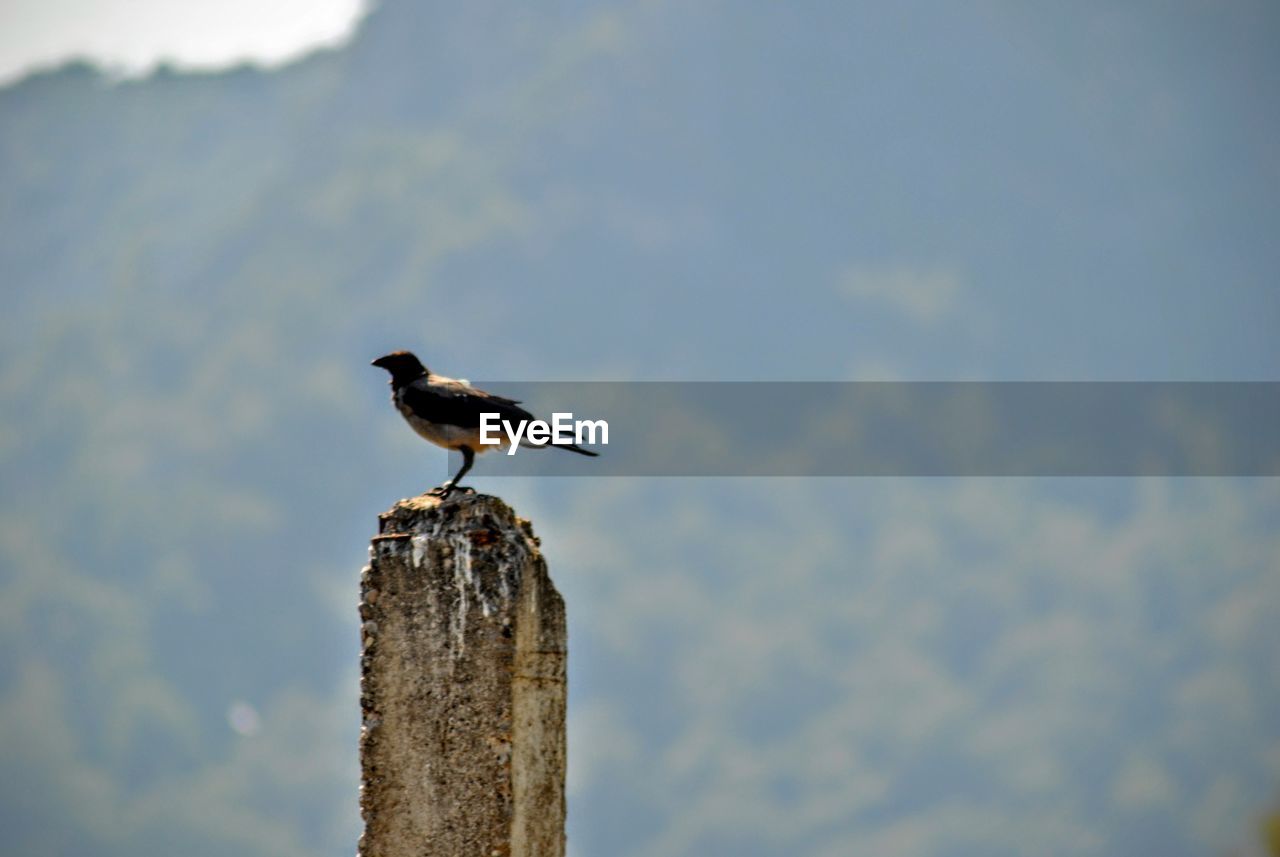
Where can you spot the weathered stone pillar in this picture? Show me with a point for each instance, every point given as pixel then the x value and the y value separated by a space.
pixel 462 751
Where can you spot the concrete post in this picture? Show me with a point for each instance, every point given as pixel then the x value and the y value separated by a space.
pixel 462 750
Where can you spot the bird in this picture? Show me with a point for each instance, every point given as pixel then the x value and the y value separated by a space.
pixel 447 411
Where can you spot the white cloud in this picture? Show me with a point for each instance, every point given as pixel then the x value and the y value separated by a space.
pixel 1142 782
pixel 136 34
pixel 925 296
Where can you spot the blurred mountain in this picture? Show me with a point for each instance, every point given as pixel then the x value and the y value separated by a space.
pixel 198 267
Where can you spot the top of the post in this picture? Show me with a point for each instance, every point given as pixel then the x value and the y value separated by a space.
pixel 428 513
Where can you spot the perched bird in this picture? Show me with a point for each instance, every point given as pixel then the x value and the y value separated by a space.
pixel 447 412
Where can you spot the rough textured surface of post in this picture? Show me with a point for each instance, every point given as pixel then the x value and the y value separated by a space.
pixel 462 750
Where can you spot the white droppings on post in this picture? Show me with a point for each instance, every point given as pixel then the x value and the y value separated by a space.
pixel 467 586
pixel 461 582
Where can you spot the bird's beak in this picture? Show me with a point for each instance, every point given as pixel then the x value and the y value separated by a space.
pixel 377 363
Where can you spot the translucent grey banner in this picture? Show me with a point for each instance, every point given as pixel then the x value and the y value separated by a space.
pixel 905 429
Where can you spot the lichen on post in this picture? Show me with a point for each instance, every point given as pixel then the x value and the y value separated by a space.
pixel 462 748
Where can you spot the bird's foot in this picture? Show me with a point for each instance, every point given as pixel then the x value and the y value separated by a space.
pixel 446 489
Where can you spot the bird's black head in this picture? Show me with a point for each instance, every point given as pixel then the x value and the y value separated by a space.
pixel 402 365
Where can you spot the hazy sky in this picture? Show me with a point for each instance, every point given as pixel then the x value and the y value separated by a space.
pixel 135 34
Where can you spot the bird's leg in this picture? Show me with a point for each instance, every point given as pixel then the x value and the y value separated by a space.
pixel 468 459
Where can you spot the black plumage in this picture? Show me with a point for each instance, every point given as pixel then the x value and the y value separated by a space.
pixel 448 412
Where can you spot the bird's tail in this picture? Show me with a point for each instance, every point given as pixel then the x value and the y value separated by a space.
pixel 570 447
pixel 573 447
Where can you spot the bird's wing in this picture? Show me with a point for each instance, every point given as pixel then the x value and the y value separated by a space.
pixel 443 400
pixel 463 387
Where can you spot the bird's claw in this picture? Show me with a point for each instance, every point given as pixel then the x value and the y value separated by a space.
pixel 443 491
